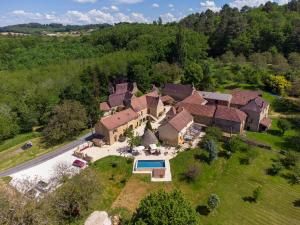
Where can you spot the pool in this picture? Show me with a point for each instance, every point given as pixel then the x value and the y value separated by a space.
pixel 150 164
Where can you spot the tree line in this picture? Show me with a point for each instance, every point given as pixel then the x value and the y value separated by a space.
pixel 41 76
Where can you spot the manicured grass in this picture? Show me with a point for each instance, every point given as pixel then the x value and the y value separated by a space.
pixel 273 137
pixel 232 182
pixel 19 139
pixel 113 173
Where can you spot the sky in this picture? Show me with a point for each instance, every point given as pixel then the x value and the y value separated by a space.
pixel 109 11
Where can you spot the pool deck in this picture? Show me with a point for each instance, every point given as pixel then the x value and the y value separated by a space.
pixel 168 175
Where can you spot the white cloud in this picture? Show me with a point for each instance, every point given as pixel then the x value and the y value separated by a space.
pixel 85 1
pixel 139 17
pixel 191 9
pixel 155 5
pixel 209 5
pixel 129 1
pixel 168 17
pixel 114 8
pixel 171 6
pixel 110 16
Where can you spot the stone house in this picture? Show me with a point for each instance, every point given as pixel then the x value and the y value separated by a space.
pixel 149 104
pixel 241 98
pixel 257 112
pixel 173 131
pixel 230 120
pixel 203 114
pixel 113 127
pixel 178 91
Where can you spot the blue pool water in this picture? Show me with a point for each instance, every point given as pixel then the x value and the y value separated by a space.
pixel 150 164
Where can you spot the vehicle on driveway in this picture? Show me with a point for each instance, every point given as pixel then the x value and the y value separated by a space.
pixel 78 163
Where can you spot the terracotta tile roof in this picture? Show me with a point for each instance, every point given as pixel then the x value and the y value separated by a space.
pixel 172 112
pixel 231 114
pixel 257 105
pixel 104 106
pixel 178 91
pixel 195 98
pixel 242 97
pixel 119 119
pixel 144 101
pixel 118 99
pixel 181 120
pixel 267 122
pixel 199 110
pixel 122 88
pixel 167 98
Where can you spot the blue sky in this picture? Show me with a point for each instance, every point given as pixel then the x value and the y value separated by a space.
pixel 108 11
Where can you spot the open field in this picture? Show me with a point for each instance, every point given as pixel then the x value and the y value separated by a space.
pixel 18 140
pixel 227 178
pixel 273 137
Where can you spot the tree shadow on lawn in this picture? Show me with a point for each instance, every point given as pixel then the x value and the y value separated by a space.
pixel 249 199
pixel 274 132
pixel 291 143
pixel 296 203
pixel 290 177
pixel 203 210
pixel 202 157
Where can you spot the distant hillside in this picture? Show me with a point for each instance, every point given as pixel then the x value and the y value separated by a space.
pixel 36 28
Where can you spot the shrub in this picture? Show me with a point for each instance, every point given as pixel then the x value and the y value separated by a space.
pixel 214 133
pixel 192 173
pixel 283 125
pixel 234 144
pixel 257 193
pixel 213 202
pixel 291 159
pixel 211 146
pixel 275 169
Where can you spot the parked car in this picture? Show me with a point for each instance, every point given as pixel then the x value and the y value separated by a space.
pixel 78 163
pixel 27 145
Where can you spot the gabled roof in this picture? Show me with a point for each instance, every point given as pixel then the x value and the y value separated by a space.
pixel 172 112
pixel 195 99
pixel 216 96
pixel 199 110
pixel 230 114
pixel 178 90
pixel 119 119
pixel 118 99
pixel 167 98
pixel 242 97
pixel 122 88
pixel 181 120
pixel 104 106
pixel 267 122
pixel 145 101
pixel 257 105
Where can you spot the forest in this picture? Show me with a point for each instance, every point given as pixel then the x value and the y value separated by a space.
pixel 258 46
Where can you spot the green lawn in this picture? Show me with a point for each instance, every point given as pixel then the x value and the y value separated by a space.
pixel 232 182
pixel 273 137
pixel 17 140
pixel 12 154
pixel 113 172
